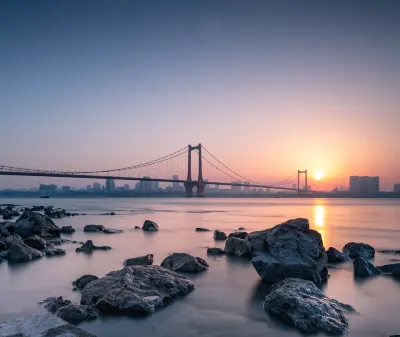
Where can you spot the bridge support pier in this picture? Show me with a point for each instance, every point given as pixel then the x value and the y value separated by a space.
pixel 190 183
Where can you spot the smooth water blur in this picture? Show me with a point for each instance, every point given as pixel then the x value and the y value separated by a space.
pixel 228 298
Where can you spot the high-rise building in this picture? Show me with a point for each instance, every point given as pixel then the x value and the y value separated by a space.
pixel 236 188
pixel 175 184
pixel 66 189
pixel 396 188
pixel 246 186
pixel 110 185
pixel 48 188
pixel 126 187
pixel 89 188
pixel 96 187
pixel 364 185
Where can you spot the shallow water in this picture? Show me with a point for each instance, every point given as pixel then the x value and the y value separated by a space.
pixel 228 298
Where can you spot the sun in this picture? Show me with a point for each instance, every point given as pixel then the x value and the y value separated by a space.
pixel 319 175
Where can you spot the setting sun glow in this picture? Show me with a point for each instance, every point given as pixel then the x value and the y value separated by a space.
pixel 319 175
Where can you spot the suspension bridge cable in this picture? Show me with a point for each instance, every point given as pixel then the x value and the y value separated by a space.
pixel 217 167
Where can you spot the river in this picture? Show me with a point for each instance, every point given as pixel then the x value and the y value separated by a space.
pixel 228 298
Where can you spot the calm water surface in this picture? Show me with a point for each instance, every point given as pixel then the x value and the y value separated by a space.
pixel 228 298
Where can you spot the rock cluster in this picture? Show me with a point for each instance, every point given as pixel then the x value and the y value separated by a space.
pixel 182 262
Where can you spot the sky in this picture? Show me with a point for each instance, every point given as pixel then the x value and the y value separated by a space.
pixel 269 87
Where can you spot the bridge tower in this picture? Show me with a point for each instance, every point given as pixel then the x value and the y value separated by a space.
pixel 299 172
pixel 189 184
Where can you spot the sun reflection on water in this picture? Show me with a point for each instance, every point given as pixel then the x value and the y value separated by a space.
pixel 319 221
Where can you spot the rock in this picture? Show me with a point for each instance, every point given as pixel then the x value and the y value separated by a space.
pixel 241 229
pixel 55 242
pixel 215 251
pixel 334 256
pixel 219 236
pixel 135 290
pixel 36 242
pixel 199 229
pixel 145 260
pixel 93 228
pixel 55 303
pixel 290 249
pixel 390 251
pixel 51 251
pixel 112 213
pixel 1 260
pixel 237 246
pixel 31 223
pixel 363 268
pixel 137 227
pixel 302 304
pixel 40 325
pixel 76 313
pixel 239 235
pixel 396 274
pixel 67 230
pixel 89 247
pixel 150 226
pixel 355 249
pixel 388 268
pixel 20 252
pixel 6 228
pixel 84 280
pixel 3 246
pixel 11 239
pixel 182 262
pixel 112 231
pixel 4 255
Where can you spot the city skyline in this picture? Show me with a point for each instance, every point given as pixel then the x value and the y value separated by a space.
pixel 270 88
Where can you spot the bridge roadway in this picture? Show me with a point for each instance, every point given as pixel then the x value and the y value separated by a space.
pixel 87 176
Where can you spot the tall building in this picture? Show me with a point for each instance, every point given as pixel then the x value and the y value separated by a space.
pixel 236 188
pixel 175 184
pixel 96 187
pixel 110 185
pixel 364 185
pixel 126 187
pixel 144 186
pixel 48 188
pixel 396 188
pixel 89 188
pixel 246 186
pixel 66 189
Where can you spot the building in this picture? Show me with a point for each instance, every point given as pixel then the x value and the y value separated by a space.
pixel 110 185
pixel 364 185
pixel 246 186
pixel 396 188
pixel 89 188
pixel 126 187
pixel 96 187
pixel 66 189
pixel 175 184
pixel 236 189
pixel 48 188
pixel 144 186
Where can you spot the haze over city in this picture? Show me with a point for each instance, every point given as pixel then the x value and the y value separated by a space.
pixel 269 88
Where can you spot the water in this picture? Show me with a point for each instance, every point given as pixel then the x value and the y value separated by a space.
pixel 228 298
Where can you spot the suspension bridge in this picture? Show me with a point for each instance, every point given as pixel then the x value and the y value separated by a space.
pixel 171 166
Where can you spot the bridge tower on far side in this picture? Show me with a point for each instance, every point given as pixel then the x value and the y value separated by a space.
pixel 299 172
pixel 190 183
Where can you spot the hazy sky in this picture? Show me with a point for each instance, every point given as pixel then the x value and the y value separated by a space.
pixel 268 87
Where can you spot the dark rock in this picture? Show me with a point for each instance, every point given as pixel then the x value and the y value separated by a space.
pixel 36 242
pixel 290 249
pixel 76 313
pixel 55 303
pixel 388 268
pixel 6 228
pixel 3 246
pixel 137 227
pixel 241 229
pixel 67 230
pixel 84 280
pixel 363 268
pixel 20 252
pixel 12 238
pixel 112 213
pixel 1 260
pixel 40 325
pixel 303 305
pixel 215 251
pixel 239 235
pixel 237 246
pixel 182 262
pixel 135 290
pixel 390 251
pixel 145 260
pixel 112 231
pixel 4 255
pixel 89 247
pixel 198 229
pixel 334 256
pixel 150 226
pixel 51 251
pixel 94 228
pixel 355 249
pixel 219 236
pixel 396 274
pixel 31 223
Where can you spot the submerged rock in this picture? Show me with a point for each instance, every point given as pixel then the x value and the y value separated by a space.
pixel 237 246
pixel 290 249
pixel 199 229
pixel 302 304
pixel 31 223
pixel 93 228
pixel 36 242
pixel 52 304
pixel 215 251
pixel 335 256
pixel 137 227
pixel 20 252
pixel 150 226
pixel 389 268
pixel 76 313
pixel 52 251
pixel 89 247
pixel 363 268
pixel 84 280
pixel 67 230
pixel 112 231
pixel 40 325
pixel 219 236
pixel 182 262
pixel 145 260
pixel 135 290
pixel 239 235
pixel 355 249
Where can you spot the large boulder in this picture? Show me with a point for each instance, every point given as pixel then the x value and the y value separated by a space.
pixel 40 325
pixel 11 239
pixel 219 236
pixel 36 242
pixel 355 249
pixel 52 304
pixel 67 230
pixel 150 226
pixel 20 252
pixel 93 228
pixel 363 268
pixel 31 223
pixel 145 260
pixel 215 251
pixel 290 249
pixel 237 246
pixel 182 262
pixel 239 235
pixel 135 290
pixel 303 305
pixel 89 247
pixel 334 256
pixel 76 313
pixel 84 280
pixel 389 268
